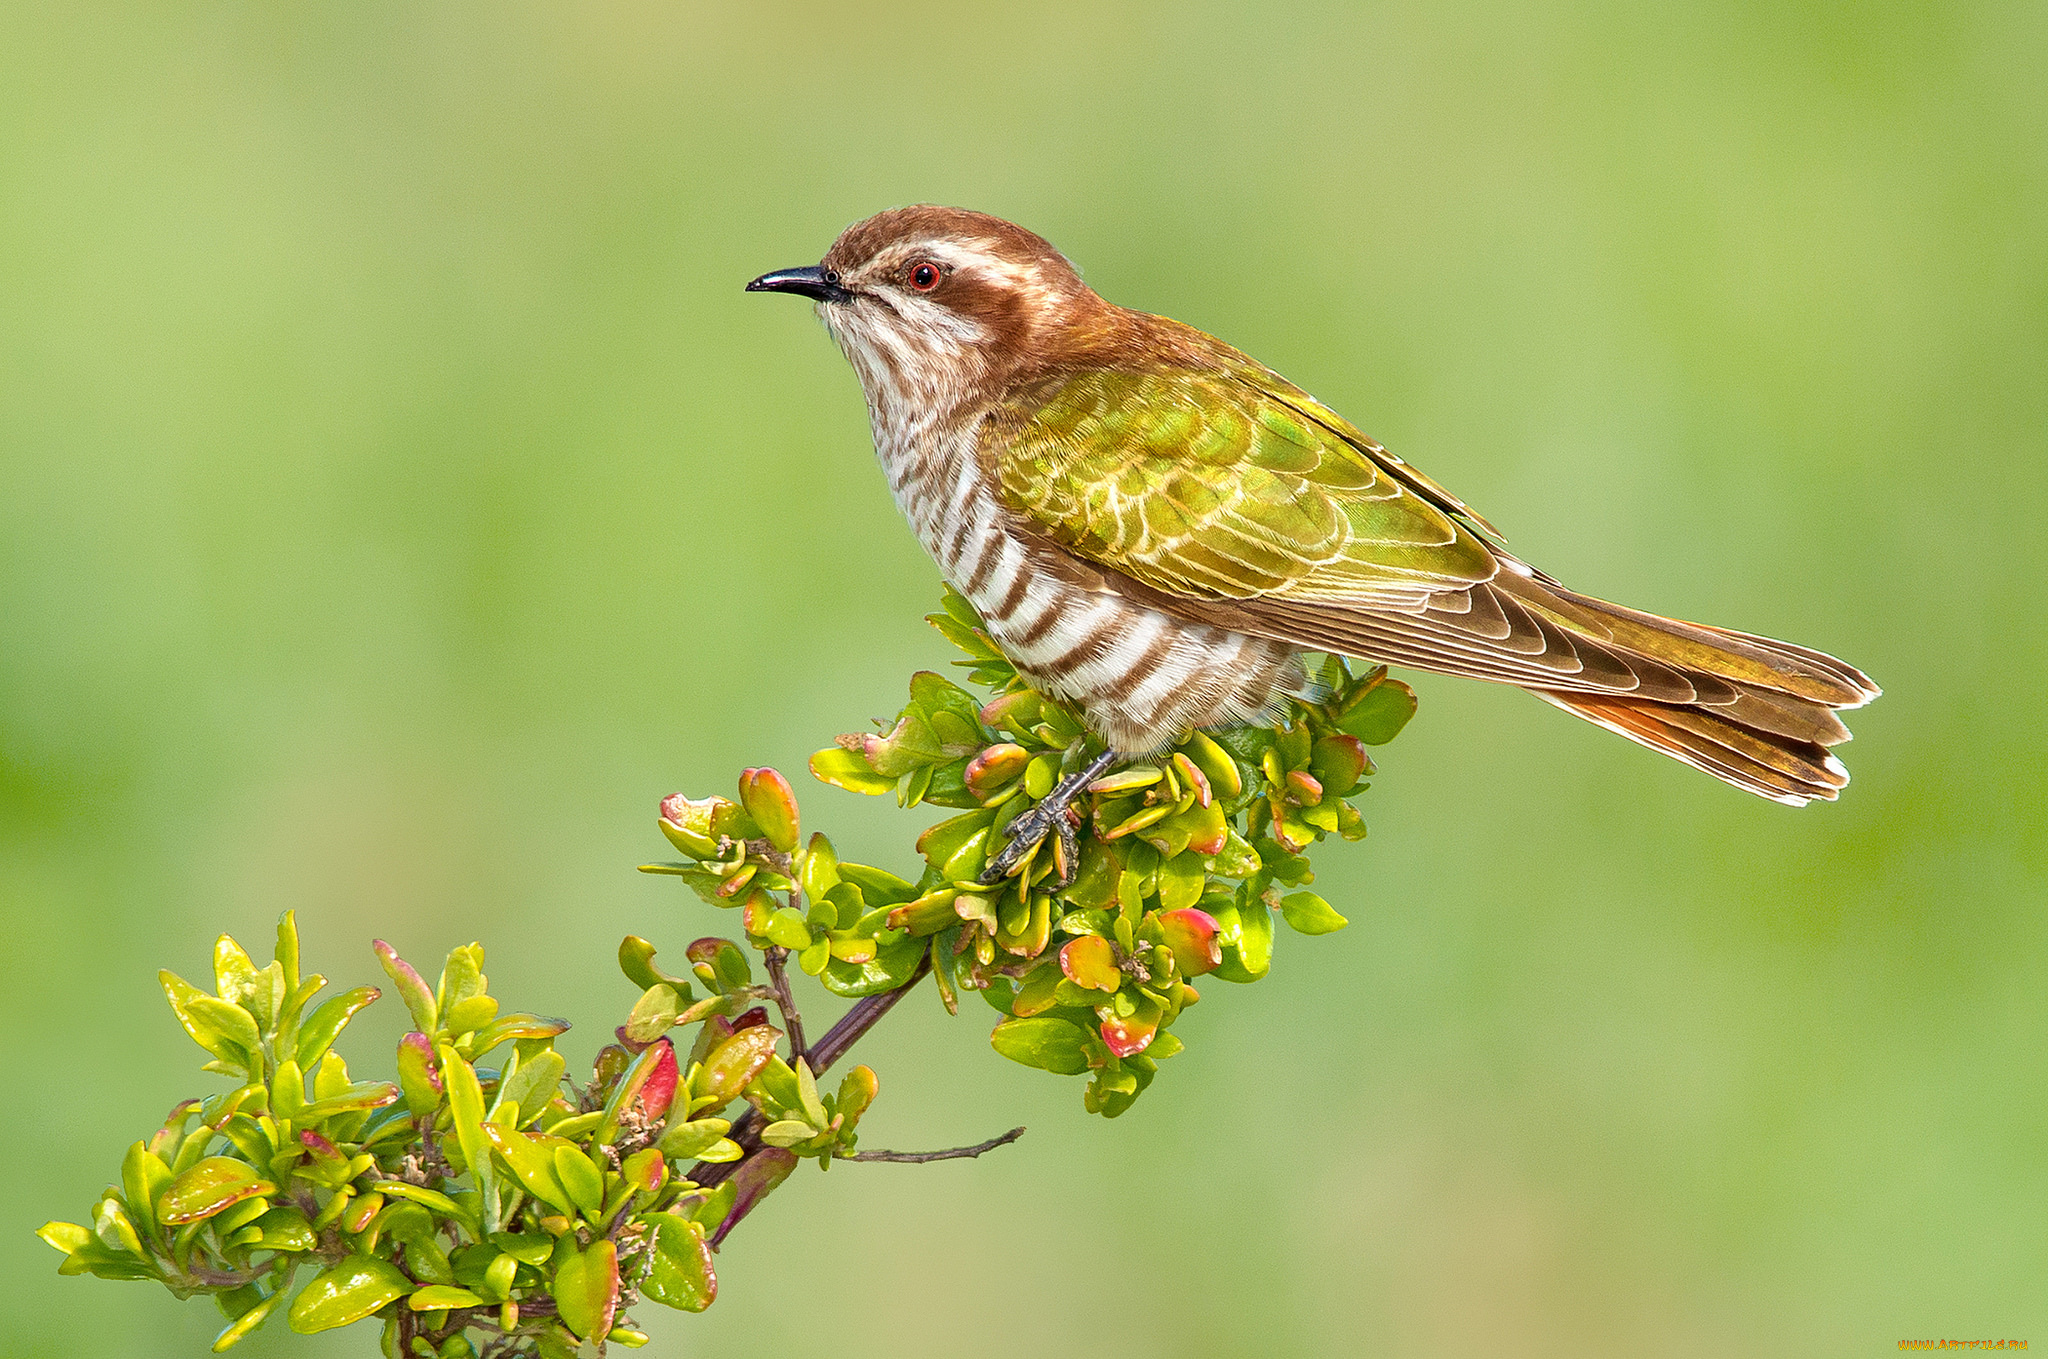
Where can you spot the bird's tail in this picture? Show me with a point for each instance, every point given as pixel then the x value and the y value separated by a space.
pixel 1766 727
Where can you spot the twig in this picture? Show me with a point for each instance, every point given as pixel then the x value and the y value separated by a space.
pixel 792 1022
pixel 949 1154
pixel 852 1026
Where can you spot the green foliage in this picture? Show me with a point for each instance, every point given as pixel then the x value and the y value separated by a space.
pixel 469 1206
pixel 479 1204
pixel 1182 860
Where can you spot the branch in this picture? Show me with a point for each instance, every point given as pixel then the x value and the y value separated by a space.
pixel 792 1021
pixel 851 1028
pixel 949 1154
pixel 865 1014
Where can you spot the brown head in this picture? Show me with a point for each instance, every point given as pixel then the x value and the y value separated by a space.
pixel 936 305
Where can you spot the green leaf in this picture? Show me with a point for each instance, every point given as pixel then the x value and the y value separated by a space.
pixel 583 1180
pixel 586 1287
pixel 252 1318
pixel 234 973
pixel 1308 913
pixel 67 1237
pixel 438 1297
pixel 469 1014
pixel 515 1027
pixel 144 1176
pixel 1247 936
pixel 636 960
pixel 1376 713
pixel 286 951
pixel 654 1014
pixel 227 1031
pixel 532 1163
pixel 412 988
pixel 891 967
pixel 807 1094
pixel 685 1141
pixel 788 928
pixel 531 1087
pixel 851 771
pixel 347 1293
pixel 317 1033
pixel 283 1228
pixel 213 1185
pixel 466 1112
pixel 787 1133
pixel 680 1274
pixel 1046 1042
pixel 432 1199
pixel 1182 880
pixel 878 886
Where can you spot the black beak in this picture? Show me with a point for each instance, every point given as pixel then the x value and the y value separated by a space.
pixel 812 281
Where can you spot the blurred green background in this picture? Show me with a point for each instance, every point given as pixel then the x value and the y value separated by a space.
pixel 398 495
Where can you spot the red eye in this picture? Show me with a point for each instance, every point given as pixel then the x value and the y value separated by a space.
pixel 925 276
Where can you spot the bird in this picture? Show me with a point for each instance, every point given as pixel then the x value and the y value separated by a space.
pixel 1156 528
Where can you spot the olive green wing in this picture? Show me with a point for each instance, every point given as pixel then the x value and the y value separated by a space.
pixel 1230 497
pixel 1208 485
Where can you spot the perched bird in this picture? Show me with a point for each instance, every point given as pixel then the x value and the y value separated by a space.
pixel 1157 527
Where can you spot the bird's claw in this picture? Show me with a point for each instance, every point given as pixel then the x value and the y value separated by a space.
pixel 1052 815
pixel 1029 831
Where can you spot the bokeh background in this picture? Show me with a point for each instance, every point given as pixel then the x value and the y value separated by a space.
pixel 398 495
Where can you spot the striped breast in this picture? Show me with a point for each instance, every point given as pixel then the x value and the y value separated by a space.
pixel 1143 678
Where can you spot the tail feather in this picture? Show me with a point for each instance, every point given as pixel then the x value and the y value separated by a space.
pixel 1770 764
pixel 1752 711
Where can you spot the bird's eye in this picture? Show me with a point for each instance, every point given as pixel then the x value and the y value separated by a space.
pixel 924 276
pixel 832 277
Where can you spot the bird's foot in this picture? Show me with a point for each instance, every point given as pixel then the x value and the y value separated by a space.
pixel 1052 815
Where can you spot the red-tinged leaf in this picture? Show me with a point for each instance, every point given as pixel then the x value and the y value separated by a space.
pixel 1192 936
pixel 1216 765
pixel 412 988
pixel 419 1075
pixel 1090 961
pixel 735 1063
pixel 320 1146
pixel 1303 788
pixel 680 1274
pixel 210 1186
pixel 645 1169
pixel 1207 828
pixel 719 964
pixel 770 800
pixel 1129 1035
pixel 1339 762
pixel 660 1090
pixel 586 1289
pixel 857 1091
pixel 1191 776
pixel 756 1178
pixel 995 768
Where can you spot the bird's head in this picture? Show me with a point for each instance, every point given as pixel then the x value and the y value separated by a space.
pixel 935 305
